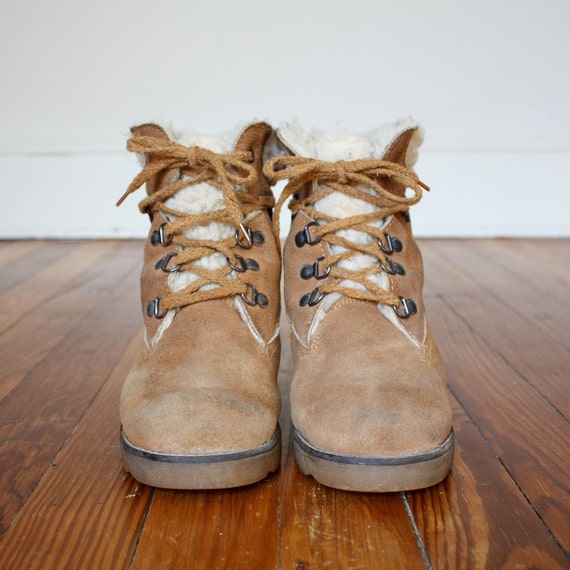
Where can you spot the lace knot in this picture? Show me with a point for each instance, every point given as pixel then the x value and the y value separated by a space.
pixel 231 174
pixel 340 169
pixel 192 156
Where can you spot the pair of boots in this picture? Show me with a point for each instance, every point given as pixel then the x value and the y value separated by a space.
pixel 369 403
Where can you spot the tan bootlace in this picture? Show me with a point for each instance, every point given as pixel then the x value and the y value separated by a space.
pixel 349 178
pixel 226 172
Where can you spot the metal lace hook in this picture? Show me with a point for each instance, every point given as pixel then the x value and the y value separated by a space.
pixel 163 263
pixel 257 298
pixel 153 309
pixel 246 232
pixel 409 308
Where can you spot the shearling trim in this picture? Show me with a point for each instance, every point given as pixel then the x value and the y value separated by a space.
pixel 220 143
pixel 340 144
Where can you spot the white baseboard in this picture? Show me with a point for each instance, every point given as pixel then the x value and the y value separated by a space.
pixel 474 194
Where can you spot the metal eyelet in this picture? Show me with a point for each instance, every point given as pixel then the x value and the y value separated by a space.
pixel 158 237
pixel 393 267
pixel 242 264
pixel 257 298
pixel 153 309
pixel 393 244
pixel 252 265
pixel 308 271
pixel 304 237
pixel 311 298
pixel 246 232
pixel 162 263
pixel 258 238
pixel 252 238
pixel 409 308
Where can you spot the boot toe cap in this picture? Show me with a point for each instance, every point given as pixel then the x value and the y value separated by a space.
pixel 201 422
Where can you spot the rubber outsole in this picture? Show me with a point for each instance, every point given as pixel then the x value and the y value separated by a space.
pixel 201 472
pixel 374 474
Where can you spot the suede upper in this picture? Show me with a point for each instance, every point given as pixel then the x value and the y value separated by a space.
pixel 207 383
pixel 367 382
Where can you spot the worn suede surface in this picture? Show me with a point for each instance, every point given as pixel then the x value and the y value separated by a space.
pixel 209 385
pixel 361 386
pixel 363 389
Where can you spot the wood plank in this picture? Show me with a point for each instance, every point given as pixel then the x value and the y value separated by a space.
pixel 528 264
pixel 26 259
pixel 232 528
pixel 11 251
pixel 536 259
pixel 530 351
pixel 478 518
pixel 327 528
pixel 27 342
pixel 36 290
pixel 66 503
pixel 62 385
pixel 85 512
pixel 497 265
pixel 528 435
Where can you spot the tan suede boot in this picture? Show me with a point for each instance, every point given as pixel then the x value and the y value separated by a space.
pixel 199 409
pixel 369 399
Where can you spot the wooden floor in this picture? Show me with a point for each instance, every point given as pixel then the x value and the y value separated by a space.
pixel 69 328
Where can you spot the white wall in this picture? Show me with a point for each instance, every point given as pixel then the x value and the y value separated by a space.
pixel 489 80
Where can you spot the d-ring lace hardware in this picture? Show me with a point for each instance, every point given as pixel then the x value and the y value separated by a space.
pixel 311 298
pixel 409 307
pixel 246 232
pixel 251 238
pixel 158 237
pixel 393 244
pixel 304 237
pixel 153 309
pixel 163 263
pixel 308 271
pixel 256 298
pixel 393 268
pixel 243 264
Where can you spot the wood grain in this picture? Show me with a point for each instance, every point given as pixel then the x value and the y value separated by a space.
pixel 85 512
pixel 328 528
pixel 71 329
pixel 516 337
pixel 41 411
pixel 478 518
pixel 234 528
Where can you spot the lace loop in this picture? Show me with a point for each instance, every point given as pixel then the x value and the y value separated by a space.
pixel 230 173
pixel 360 179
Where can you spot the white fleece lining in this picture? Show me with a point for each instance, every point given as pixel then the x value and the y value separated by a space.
pixel 196 199
pixel 339 144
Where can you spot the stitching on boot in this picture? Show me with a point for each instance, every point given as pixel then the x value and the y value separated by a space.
pixel 251 326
